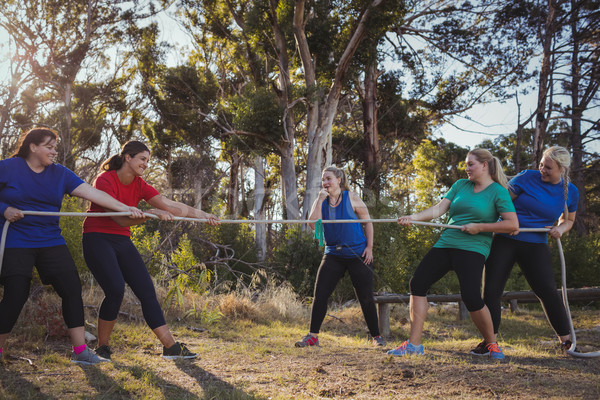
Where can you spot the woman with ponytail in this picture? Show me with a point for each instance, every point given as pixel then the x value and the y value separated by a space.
pixel 347 248
pixel 540 198
pixel 113 259
pixel 475 204
pixel 31 181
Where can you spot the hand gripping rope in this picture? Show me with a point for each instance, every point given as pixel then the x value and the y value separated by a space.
pixel 319 235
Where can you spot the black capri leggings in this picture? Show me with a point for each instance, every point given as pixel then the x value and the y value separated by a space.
pixel 55 267
pixel 114 261
pixel 535 261
pixel 331 270
pixel 468 266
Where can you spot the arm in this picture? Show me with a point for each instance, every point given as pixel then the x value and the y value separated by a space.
pixel 178 209
pixel 105 200
pixel 508 224
pixel 361 210
pixel 564 225
pixel 315 211
pixel 428 214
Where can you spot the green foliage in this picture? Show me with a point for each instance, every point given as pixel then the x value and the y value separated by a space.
pixel 71 230
pixel 147 243
pixel 299 257
pixel 582 259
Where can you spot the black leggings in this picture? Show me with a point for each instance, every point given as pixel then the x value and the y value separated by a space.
pixel 535 261
pixel 55 267
pixel 331 270
pixel 114 260
pixel 468 266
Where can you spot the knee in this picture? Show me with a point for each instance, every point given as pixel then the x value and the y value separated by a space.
pixel 417 287
pixel 114 293
pixel 473 303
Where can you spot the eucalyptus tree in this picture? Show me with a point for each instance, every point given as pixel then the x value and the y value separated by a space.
pixel 60 39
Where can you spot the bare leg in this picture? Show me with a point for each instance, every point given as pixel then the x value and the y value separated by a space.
pixel 77 336
pixel 105 328
pixel 483 321
pixel 418 314
pixel 3 338
pixel 164 335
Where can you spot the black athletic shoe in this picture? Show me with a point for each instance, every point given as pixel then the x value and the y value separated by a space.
pixel 566 346
pixel 104 351
pixel 480 349
pixel 177 351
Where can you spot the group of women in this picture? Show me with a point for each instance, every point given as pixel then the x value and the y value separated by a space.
pixel 31 181
pixel 482 204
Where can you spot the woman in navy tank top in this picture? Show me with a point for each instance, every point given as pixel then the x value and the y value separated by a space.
pixel 347 248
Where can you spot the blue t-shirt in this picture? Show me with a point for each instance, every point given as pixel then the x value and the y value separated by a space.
pixel 26 190
pixel 467 207
pixel 344 240
pixel 539 203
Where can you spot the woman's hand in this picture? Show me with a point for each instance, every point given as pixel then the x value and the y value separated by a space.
pixel 323 194
pixel 12 214
pixel 161 214
pixel 212 220
pixel 405 220
pixel 473 229
pixel 555 232
pixel 135 213
pixel 368 255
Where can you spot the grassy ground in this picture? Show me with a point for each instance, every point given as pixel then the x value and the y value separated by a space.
pixel 249 354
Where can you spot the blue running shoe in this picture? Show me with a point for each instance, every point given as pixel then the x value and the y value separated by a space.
pixel 407 348
pixel 495 351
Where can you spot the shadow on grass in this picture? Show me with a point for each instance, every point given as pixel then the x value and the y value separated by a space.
pixel 213 386
pixel 145 378
pixel 14 386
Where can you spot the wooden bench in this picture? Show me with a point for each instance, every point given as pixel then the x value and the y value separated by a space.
pixel 384 300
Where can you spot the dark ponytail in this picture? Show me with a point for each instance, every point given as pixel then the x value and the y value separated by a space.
pixel 131 148
pixel 35 136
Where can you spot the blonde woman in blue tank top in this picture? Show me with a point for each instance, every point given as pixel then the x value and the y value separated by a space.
pixel 347 248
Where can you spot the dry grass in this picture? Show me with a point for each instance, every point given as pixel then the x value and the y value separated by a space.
pixel 249 354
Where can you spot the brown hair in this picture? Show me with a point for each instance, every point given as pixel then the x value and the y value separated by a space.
pixel 35 136
pixel 131 148
pixel 338 174
pixel 494 165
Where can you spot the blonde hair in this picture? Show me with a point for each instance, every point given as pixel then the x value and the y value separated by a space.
pixel 338 174
pixel 494 165
pixel 562 158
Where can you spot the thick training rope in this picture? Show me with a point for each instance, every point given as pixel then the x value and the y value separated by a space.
pixel 319 224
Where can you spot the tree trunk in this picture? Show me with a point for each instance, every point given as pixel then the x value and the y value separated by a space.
pixel 260 230
pixel 372 185
pixel 288 165
pixel 233 189
pixel 576 115
pixel 321 114
pixel 541 120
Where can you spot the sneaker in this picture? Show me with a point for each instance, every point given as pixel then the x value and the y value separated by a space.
pixel 494 351
pixel 407 348
pixel 378 341
pixel 566 346
pixel 480 349
pixel 307 341
pixel 87 357
pixel 104 351
pixel 177 351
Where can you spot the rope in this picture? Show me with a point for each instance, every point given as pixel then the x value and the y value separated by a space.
pixel 319 227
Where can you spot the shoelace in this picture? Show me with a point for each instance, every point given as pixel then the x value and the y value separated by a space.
pixel 493 347
pixel 402 346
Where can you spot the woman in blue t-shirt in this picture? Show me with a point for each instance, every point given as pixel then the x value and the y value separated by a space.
pixel 540 198
pixel 347 248
pixel 31 181
pixel 475 204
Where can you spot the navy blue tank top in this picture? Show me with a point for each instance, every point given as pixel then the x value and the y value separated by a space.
pixel 344 240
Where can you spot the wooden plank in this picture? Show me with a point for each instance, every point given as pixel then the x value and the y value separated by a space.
pixel 384 319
